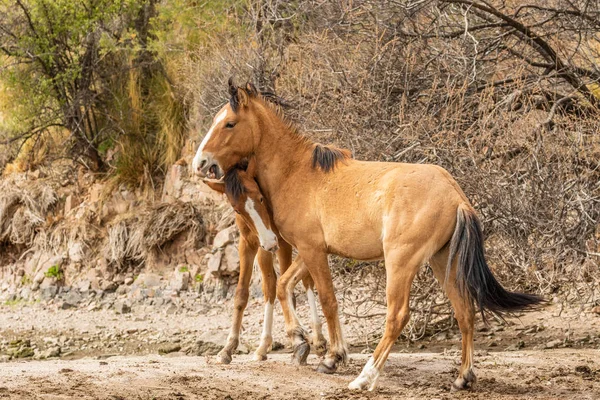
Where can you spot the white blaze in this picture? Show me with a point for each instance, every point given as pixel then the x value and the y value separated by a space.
pixel 220 117
pixel 268 239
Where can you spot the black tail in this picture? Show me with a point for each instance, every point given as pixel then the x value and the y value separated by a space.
pixel 473 276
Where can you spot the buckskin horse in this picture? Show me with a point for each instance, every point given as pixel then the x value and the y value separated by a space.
pixel 256 229
pixel 324 203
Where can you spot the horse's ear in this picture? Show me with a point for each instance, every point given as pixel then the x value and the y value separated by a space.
pixel 251 89
pixel 243 97
pixel 232 88
pixel 216 185
pixel 251 169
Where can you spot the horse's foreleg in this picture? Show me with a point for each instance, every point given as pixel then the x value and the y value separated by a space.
pixel 247 253
pixel 318 340
pixel 269 287
pixel 401 267
pixel 318 266
pixel 285 289
pixel 465 316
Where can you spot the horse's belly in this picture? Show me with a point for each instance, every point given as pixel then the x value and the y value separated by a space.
pixel 359 245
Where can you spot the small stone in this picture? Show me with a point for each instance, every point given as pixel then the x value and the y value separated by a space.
pixel 128 281
pixel 108 286
pixel 169 348
pixel 65 305
pixel 49 292
pixel 172 309
pixel 85 285
pixel 554 344
pixel 231 265
pixel 122 307
pixel 596 310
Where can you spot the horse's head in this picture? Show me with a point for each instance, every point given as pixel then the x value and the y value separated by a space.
pixel 232 136
pixel 247 200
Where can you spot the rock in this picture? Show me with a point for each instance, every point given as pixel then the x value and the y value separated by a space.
pixel 172 309
pixel 37 280
pixel 181 279
pixel 128 281
pixel 231 265
pixel 554 344
pixel 85 285
pixel 76 252
pixel 4 358
pixel 203 348
pixel 108 286
pixel 73 297
pixel 214 263
pixel 24 351
pixel 122 289
pixel 122 307
pixel 51 352
pixel 49 292
pixel 65 305
pixel 149 280
pixel 596 310
pixel 169 348
pixel 224 237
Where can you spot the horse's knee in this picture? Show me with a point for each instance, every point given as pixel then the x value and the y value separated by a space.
pixel 241 298
pixel 329 304
pixel 281 290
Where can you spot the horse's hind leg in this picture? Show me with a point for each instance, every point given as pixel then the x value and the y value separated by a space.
pixel 318 340
pixel 401 266
pixel 247 251
pixel 464 313
pixel 269 287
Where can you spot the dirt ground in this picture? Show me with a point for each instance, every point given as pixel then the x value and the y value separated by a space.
pixel 548 354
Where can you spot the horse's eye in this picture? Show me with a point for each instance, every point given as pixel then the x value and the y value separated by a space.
pixel 229 125
pixel 236 211
pixel 261 200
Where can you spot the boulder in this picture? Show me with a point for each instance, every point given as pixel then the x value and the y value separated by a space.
pixel 224 237
pixel 181 279
pixel 230 266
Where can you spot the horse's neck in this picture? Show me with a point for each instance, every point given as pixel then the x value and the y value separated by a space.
pixel 280 154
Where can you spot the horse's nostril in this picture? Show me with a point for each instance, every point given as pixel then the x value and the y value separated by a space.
pixel 202 164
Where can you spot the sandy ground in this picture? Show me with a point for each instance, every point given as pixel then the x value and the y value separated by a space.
pixel 112 356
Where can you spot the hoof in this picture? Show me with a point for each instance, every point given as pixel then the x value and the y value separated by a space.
pixel 321 347
pixel 301 352
pixel 260 357
pixel 464 383
pixel 358 384
pixel 223 357
pixel 327 366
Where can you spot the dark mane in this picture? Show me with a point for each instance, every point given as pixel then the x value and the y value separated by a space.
pixel 233 182
pixel 326 157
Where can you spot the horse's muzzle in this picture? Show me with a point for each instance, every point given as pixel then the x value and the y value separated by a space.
pixel 206 167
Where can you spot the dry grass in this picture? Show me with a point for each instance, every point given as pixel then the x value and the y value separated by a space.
pixel 131 238
pixel 23 209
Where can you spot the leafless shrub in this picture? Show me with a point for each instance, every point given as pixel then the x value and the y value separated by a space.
pixel 502 94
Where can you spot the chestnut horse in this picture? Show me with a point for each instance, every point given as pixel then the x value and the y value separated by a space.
pixel 324 203
pixel 255 226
